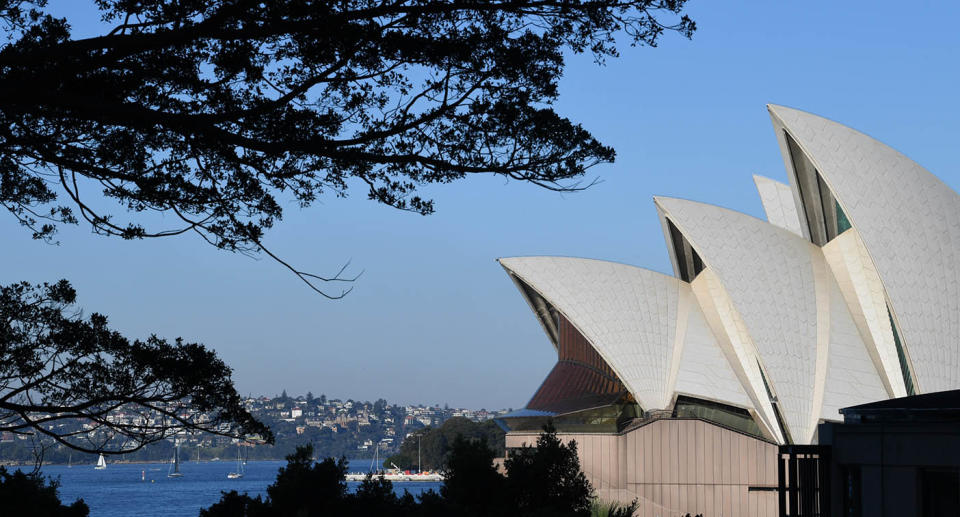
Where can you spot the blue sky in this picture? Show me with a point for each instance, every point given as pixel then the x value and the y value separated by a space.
pixel 434 319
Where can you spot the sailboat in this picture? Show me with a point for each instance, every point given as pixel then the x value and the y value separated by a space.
pixel 374 467
pixel 101 463
pixel 175 473
pixel 239 472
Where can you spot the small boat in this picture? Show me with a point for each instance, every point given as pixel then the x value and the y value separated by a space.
pixel 239 472
pixel 174 470
pixel 374 467
pixel 101 463
pixel 396 473
pixel 395 476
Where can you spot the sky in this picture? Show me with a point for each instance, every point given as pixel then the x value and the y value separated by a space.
pixel 434 319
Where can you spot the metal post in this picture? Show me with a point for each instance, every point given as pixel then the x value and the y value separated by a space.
pixel 794 481
pixel 826 464
pixel 782 482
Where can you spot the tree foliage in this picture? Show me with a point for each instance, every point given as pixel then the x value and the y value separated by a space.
pixel 546 479
pixel 66 378
pixel 472 487
pixel 435 443
pixel 217 113
pixel 33 494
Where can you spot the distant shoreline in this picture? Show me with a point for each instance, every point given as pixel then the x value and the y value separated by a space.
pixel 144 462
pixel 119 462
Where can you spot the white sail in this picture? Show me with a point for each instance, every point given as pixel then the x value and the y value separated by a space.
pixel 101 463
pixel 239 473
pixel 175 465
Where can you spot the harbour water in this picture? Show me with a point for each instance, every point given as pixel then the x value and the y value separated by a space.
pixel 119 491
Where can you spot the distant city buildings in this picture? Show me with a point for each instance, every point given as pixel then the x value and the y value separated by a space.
pixel 334 426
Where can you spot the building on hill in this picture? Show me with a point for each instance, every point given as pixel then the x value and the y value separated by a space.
pixel 680 388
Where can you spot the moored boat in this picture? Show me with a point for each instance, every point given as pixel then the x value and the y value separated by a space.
pixel 240 466
pixel 174 471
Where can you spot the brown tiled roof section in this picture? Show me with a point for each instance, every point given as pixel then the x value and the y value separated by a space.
pixel 581 379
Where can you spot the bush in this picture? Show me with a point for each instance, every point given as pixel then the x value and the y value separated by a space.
pixel 546 480
pixel 33 494
pixel 540 481
pixel 435 443
pixel 599 509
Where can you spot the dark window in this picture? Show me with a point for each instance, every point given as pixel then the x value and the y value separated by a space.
pixel 825 219
pixel 689 263
pixel 681 257
pixel 727 416
pixel 697 264
pixel 843 224
pixel 902 356
pixel 827 207
pixel 852 495
pixel 940 493
pixel 776 408
pixel 543 310
pixel 807 185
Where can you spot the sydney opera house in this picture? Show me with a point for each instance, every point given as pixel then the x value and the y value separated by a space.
pixel 679 389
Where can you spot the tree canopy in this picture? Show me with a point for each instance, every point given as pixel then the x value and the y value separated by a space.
pixel 546 479
pixel 216 114
pixel 34 494
pixel 428 448
pixel 541 481
pixel 75 381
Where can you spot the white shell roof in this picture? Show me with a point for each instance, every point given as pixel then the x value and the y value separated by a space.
pixel 909 222
pixel 641 323
pixel 778 204
pixel 768 274
pixel 703 371
pixel 813 320
pixel 851 377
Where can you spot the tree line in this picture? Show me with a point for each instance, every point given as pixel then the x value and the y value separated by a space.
pixel 544 480
pixel 430 446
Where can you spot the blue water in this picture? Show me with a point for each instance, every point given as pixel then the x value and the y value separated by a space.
pixel 118 490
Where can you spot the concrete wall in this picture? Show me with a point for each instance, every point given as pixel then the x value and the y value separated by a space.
pixel 678 466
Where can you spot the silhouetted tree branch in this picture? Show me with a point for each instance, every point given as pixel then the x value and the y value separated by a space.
pixel 216 113
pixel 75 381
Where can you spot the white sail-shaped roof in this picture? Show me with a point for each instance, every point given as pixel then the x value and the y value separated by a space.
pixel 768 273
pixel 851 377
pixel 703 370
pixel 849 293
pixel 909 222
pixel 641 323
pixel 626 313
pixel 778 204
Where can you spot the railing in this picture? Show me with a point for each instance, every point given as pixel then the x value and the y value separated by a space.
pixel 804 480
